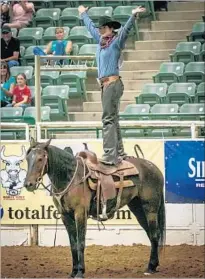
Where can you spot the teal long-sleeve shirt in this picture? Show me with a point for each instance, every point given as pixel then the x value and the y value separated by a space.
pixel 108 58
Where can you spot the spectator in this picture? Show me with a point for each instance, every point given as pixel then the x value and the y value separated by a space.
pixel 22 14
pixel 21 93
pixel 160 5
pixel 5 12
pixel 57 47
pixel 10 48
pixel 7 85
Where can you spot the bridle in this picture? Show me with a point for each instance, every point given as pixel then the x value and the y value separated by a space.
pixel 45 170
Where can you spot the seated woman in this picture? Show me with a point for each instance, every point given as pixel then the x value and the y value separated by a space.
pixel 22 13
pixel 7 85
pixel 57 47
pixel 21 93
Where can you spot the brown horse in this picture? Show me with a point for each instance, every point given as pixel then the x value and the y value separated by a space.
pixel 76 201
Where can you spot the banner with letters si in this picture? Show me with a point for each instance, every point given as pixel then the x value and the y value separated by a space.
pixel 185 171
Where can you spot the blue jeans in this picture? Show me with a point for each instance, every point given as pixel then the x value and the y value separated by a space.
pixel 24 106
pixel 12 63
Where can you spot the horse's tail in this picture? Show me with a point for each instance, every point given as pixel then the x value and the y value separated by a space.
pixel 162 222
pixel 137 147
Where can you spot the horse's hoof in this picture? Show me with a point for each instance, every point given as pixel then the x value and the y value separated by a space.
pixel 150 271
pixel 79 275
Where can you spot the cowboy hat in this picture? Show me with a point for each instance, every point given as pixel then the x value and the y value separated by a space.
pixel 107 21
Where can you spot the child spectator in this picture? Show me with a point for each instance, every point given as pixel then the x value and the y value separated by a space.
pixel 7 85
pixel 21 93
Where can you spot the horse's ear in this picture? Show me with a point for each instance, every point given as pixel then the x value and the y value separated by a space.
pixel 46 144
pixel 32 142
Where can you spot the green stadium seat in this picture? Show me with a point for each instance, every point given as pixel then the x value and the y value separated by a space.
pixel 202 53
pixel 40 4
pixel 192 112
pixel 59 4
pixel 80 35
pixel 164 111
pixel 70 17
pixel 197 34
pixel 122 14
pixel 75 50
pixel 88 49
pixel 76 82
pixel 133 133
pixel 180 93
pixel 147 4
pixel 47 78
pixel 32 88
pixel 49 35
pixel 111 3
pixel 96 12
pixel 28 59
pixel 27 70
pixel 45 113
pixel 86 3
pixel 135 111
pixel 22 50
pixel 46 17
pixel 56 98
pixel 194 72
pixel 152 93
pixel 11 112
pixel 186 52
pixel 30 36
pixel 169 73
pixel 8 135
pixel 200 94
pixel 14 32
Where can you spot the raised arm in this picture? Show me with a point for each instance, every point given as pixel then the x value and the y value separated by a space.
pixel 89 23
pixel 128 26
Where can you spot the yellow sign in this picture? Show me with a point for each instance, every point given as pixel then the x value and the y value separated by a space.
pixel 18 206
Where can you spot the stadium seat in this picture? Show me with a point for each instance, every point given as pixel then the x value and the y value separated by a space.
pixel 198 33
pixel 40 4
pixel 200 94
pixel 135 111
pixel 96 12
pixel 59 4
pixel 28 59
pixel 30 36
pixel 70 17
pixel 49 35
pixel 45 113
pixel 169 73
pixel 56 98
pixel 111 3
pixel 76 82
pixel 90 50
pixel 75 49
pixel 47 78
pixel 186 52
pixel 14 32
pixel 80 35
pixel 164 111
pixel 152 93
pixel 122 14
pixel 202 53
pixel 147 4
pixel 194 72
pixel 32 88
pixel 46 17
pixel 180 93
pixel 27 70
pixel 86 3
pixel 11 112
pixel 192 112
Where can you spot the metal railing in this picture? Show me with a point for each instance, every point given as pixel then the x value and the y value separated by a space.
pixel 15 127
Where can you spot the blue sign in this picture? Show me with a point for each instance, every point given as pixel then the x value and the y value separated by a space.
pixel 1 212
pixel 185 171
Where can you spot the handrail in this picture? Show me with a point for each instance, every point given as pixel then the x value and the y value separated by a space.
pixel 123 124
pixel 16 126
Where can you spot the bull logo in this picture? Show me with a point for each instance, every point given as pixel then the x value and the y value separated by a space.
pixel 12 176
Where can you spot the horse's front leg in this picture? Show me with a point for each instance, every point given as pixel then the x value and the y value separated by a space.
pixel 69 222
pixel 81 226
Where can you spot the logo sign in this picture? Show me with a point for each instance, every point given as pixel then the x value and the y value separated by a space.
pixel 185 171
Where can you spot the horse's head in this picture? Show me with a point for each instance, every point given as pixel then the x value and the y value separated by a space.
pixel 37 160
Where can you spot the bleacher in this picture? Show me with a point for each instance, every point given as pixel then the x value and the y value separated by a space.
pixel 163 70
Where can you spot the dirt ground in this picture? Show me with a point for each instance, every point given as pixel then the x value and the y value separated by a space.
pixel 108 262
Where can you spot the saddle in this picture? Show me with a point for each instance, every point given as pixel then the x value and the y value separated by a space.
pixel 106 179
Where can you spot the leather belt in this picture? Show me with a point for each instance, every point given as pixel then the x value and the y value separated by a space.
pixel 107 80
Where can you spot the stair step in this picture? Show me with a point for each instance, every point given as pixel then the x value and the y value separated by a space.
pixel 97 106
pixel 136 65
pixel 164 35
pixel 180 15
pixel 172 25
pixel 128 95
pixel 186 6
pixel 158 44
pixel 147 54
pixel 144 74
pixel 85 116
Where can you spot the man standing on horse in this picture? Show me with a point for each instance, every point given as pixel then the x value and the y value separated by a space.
pixel 110 46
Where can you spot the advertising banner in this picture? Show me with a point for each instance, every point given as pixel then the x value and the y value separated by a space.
pixel 18 206
pixel 185 171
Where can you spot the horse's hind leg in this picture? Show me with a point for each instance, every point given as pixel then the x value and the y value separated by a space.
pixel 147 218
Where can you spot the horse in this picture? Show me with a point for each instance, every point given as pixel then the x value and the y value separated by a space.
pixel 76 201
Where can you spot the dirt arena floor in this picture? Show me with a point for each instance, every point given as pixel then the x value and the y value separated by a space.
pixel 108 262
